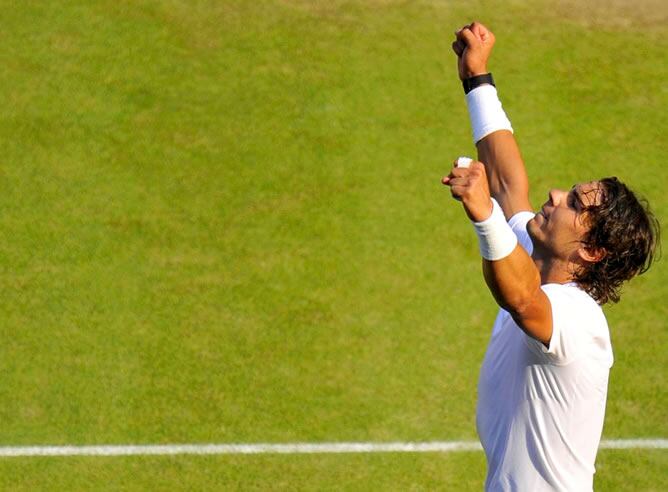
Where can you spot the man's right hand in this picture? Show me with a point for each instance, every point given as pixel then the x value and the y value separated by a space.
pixel 473 46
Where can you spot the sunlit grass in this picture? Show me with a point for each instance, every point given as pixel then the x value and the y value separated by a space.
pixel 223 223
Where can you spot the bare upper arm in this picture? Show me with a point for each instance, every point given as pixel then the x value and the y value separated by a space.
pixel 515 283
pixel 535 318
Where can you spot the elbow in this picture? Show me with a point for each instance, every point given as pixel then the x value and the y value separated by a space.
pixel 514 282
pixel 518 298
pixel 523 301
pixel 522 306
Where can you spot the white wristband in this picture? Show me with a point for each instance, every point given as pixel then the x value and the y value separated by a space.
pixel 486 113
pixel 495 237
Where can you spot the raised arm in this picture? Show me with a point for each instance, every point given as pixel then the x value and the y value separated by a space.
pixel 509 271
pixel 493 136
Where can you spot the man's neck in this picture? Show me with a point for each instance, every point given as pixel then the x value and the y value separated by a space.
pixel 553 270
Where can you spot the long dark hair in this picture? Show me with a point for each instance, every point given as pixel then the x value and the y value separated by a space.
pixel 625 230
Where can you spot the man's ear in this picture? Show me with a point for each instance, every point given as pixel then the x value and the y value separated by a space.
pixel 591 255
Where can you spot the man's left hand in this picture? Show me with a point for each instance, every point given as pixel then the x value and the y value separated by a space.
pixel 469 185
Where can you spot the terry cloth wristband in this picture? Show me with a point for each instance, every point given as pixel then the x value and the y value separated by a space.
pixel 486 113
pixel 495 237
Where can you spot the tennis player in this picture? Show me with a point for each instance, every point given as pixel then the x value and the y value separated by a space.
pixel 543 383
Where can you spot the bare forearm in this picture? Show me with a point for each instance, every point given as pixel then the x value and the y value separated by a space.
pixel 492 130
pixel 507 176
pixel 510 273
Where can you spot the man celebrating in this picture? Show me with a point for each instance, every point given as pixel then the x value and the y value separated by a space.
pixel 543 383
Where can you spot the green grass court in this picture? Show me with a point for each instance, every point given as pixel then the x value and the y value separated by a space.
pixel 222 222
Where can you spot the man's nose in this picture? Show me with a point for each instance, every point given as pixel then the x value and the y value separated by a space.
pixel 556 196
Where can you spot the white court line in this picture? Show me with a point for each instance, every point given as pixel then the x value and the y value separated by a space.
pixel 288 448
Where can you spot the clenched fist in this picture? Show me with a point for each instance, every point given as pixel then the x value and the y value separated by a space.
pixel 469 185
pixel 473 46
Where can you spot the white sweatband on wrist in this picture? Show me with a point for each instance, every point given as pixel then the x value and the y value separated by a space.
pixel 486 113
pixel 495 237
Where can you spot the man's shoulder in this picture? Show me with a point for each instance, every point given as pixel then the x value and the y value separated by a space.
pixel 573 307
pixel 580 329
pixel 573 293
pixel 574 302
pixel 518 223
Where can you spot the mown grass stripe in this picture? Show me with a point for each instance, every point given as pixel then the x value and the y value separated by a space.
pixel 287 448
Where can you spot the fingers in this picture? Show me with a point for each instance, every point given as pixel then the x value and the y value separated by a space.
pixel 458 188
pixel 469 185
pixel 465 35
pixel 459 172
pixel 479 31
pixel 447 180
pixel 466 26
pixel 457 175
pixel 462 187
pixel 482 32
pixel 462 175
pixel 477 165
pixel 458 47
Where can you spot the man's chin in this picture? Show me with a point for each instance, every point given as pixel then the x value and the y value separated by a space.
pixel 532 225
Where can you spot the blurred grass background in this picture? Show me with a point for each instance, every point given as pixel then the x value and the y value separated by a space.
pixel 223 222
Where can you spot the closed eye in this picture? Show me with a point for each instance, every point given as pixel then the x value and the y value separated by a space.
pixel 574 200
pixel 571 198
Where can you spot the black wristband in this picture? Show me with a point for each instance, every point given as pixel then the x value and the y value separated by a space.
pixel 473 82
